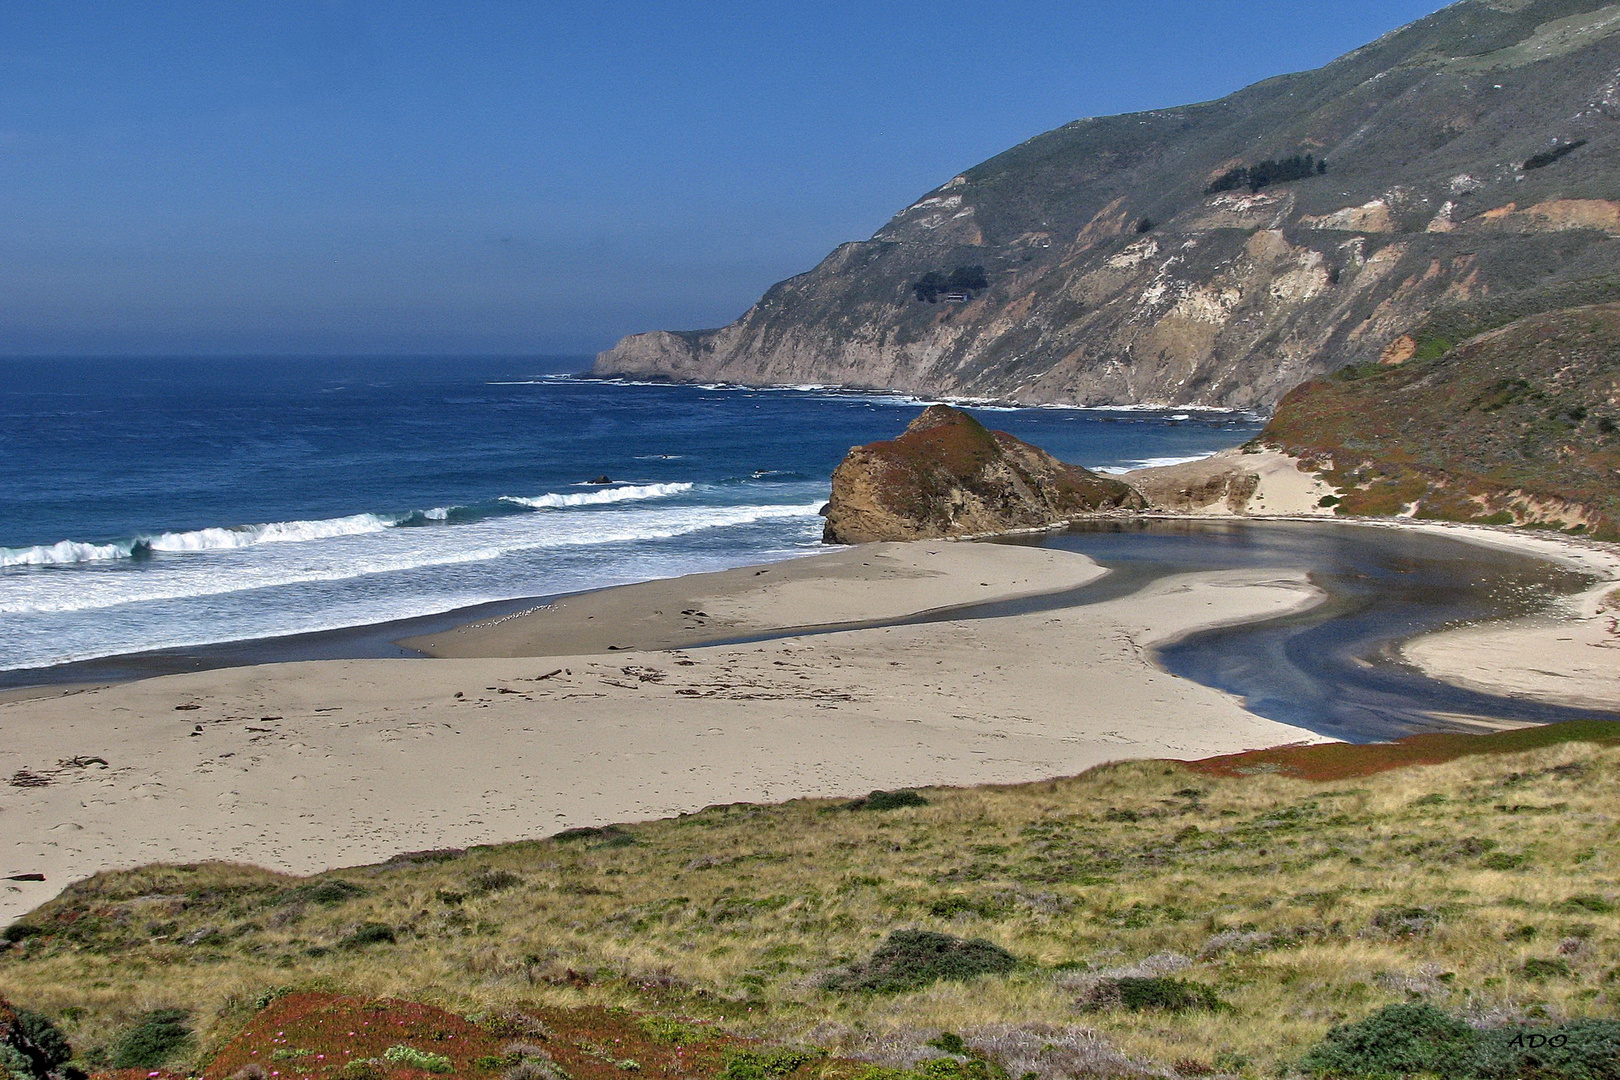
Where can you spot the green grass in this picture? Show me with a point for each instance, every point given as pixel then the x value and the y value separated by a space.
pixel 1245 912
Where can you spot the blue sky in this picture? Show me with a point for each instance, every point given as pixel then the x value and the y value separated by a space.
pixel 336 177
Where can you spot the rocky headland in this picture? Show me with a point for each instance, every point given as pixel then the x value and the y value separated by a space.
pixel 949 475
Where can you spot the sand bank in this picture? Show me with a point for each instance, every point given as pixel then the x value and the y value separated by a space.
pixel 312 765
pixel 1569 655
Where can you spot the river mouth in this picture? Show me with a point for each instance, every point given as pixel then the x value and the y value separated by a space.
pixel 1335 669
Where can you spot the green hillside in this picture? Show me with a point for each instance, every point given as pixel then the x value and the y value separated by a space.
pixel 1144 918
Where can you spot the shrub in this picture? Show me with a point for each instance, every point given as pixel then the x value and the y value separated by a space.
pixel 1397 1040
pixel 1547 157
pixel 370 933
pixel 1400 1040
pixel 365 1069
pixel 13 1064
pixel 1138 993
pixel 765 1064
pixel 588 832
pixel 912 959
pixel 155 1038
pixel 1578 1050
pixel 672 1032
pixel 889 800
pixel 328 893
pixel 957 904
pixel 412 1058
pixel 1502 860
pixel 1584 903
pixel 1406 921
pixel 19 931
pixel 512 1022
pixel 488 881
pixel 37 1044
pixel 1537 968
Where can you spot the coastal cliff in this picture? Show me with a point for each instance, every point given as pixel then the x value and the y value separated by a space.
pixel 948 475
pixel 1221 253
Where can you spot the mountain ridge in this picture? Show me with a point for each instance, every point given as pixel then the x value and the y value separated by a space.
pixel 1114 274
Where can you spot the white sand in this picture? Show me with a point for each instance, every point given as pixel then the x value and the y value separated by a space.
pixel 300 767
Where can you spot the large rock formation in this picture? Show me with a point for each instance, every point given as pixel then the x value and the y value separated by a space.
pixel 1470 154
pixel 950 476
pixel 1515 424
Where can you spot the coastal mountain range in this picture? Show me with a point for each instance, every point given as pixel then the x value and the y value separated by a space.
pixel 1222 253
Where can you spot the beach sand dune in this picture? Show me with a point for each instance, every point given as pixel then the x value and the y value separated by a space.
pixel 299 767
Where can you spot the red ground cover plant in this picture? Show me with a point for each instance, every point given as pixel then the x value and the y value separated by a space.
pixel 335 1030
pixel 1342 761
pixel 317 1034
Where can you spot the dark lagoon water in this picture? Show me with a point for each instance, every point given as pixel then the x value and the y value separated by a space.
pixel 1334 668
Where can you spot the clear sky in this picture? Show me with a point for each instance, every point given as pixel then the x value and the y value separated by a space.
pixel 464 177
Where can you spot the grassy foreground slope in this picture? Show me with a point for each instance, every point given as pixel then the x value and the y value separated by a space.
pixel 1516 425
pixel 1277 907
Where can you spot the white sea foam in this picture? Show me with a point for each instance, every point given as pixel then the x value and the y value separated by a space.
pixel 70 552
pixel 628 493
pixel 1150 463
pixel 276 532
pixel 360 555
pixel 64 553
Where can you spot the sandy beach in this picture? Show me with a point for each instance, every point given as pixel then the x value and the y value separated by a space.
pixel 299 767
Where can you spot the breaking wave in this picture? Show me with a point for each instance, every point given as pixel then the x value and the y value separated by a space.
pixel 628 493
pixel 69 552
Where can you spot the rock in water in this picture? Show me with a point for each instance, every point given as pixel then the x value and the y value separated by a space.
pixel 950 476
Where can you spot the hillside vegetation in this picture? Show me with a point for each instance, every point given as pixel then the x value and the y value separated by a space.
pixel 1519 424
pixel 1150 917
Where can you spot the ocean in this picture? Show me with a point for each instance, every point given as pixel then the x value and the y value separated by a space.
pixel 152 504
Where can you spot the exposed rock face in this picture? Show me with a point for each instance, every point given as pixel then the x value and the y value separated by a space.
pixel 950 476
pixel 1518 424
pixel 1114 277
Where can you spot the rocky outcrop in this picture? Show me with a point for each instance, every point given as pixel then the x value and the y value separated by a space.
pixel 947 475
pixel 1114 274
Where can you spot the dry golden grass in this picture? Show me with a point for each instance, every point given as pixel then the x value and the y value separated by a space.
pixel 1303 904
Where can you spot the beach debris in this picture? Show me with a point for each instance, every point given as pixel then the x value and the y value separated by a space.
pixel 82 762
pixel 26 779
pixel 190 707
pixel 25 877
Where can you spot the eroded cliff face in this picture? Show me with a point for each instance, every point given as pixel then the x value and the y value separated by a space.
pixel 947 475
pixel 1114 278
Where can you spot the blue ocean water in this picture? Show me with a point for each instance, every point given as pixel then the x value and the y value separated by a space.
pixel 161 503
